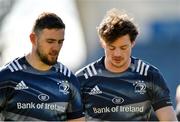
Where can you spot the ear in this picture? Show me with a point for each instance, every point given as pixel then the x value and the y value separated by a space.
pixel 33 37
pixel 103 44
pixel 133 44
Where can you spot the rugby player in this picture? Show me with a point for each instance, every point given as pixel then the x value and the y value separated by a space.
pixel 118 86
pixel 36 87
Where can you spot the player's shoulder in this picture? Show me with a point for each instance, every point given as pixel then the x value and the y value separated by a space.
pixel 10 69
pixel 64 70
pixel 12 66
pixel 90 69
pixel 144 68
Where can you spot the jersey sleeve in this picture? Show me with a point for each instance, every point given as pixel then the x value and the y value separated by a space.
pixel 4 89
pixel 161 93
pixel 75 105
pixel 2 95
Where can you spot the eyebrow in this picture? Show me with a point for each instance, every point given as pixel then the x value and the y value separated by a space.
pixel 55 39
pixel 120 46
pixel 124 45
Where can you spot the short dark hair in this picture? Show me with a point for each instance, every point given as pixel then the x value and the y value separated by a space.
pixel 116 24
pixel 49 21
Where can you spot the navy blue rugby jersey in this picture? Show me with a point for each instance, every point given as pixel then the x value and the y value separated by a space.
pixel 130 95
pixel 29 94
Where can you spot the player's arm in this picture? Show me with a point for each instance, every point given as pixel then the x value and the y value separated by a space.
pixel 178 94
pixel 166 114
pixel 3 91
pixel 161 100
pixel 75 109
pixel 178 102
pixel 82 119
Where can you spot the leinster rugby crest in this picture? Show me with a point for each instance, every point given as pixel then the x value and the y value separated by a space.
pixel 63 86
pixel 139 87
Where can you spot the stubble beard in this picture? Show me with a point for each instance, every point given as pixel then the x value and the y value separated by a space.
pixel 44 58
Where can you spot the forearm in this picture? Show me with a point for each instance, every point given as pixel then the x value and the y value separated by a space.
pixel 166 114
pixel 82 119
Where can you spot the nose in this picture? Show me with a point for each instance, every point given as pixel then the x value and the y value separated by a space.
pixel 117 52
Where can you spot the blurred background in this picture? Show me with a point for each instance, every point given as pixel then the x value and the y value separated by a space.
pixel 158 20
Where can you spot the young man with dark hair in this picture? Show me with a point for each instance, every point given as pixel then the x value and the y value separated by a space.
pixel 119 87
pixel 36 87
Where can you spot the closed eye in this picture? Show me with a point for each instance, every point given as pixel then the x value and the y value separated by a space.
pixel 124 47
pixel 51 41
pixel 60 41
pixel 111 47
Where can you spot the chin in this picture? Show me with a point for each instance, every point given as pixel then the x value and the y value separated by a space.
pixel 118 64
pixel 52 62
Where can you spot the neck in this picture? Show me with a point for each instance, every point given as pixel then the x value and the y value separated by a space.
pixel 115 69
pixel 36 63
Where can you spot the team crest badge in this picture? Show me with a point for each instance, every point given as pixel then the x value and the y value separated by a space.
pixel 140 87
pixel 63 86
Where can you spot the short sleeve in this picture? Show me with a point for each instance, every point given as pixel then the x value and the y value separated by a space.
pixel 161 93
pixel 75 104
pixel 3 87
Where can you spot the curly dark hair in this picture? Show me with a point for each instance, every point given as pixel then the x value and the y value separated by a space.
pixel 116 24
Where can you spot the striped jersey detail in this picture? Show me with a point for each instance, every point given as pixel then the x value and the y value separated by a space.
pixel 89 71
pixel 142 68
pixel 64 70
pixel 14 66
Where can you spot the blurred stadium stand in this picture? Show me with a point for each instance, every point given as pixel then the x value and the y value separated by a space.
pixel 165 31
pixel 5 7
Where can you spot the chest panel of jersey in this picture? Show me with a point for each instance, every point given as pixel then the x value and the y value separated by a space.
pixel 38 94
pixel 116 95
pixel 119 96
pixel 30 94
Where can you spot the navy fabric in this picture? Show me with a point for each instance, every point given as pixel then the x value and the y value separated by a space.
pixel 131 95
pixel 30 94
